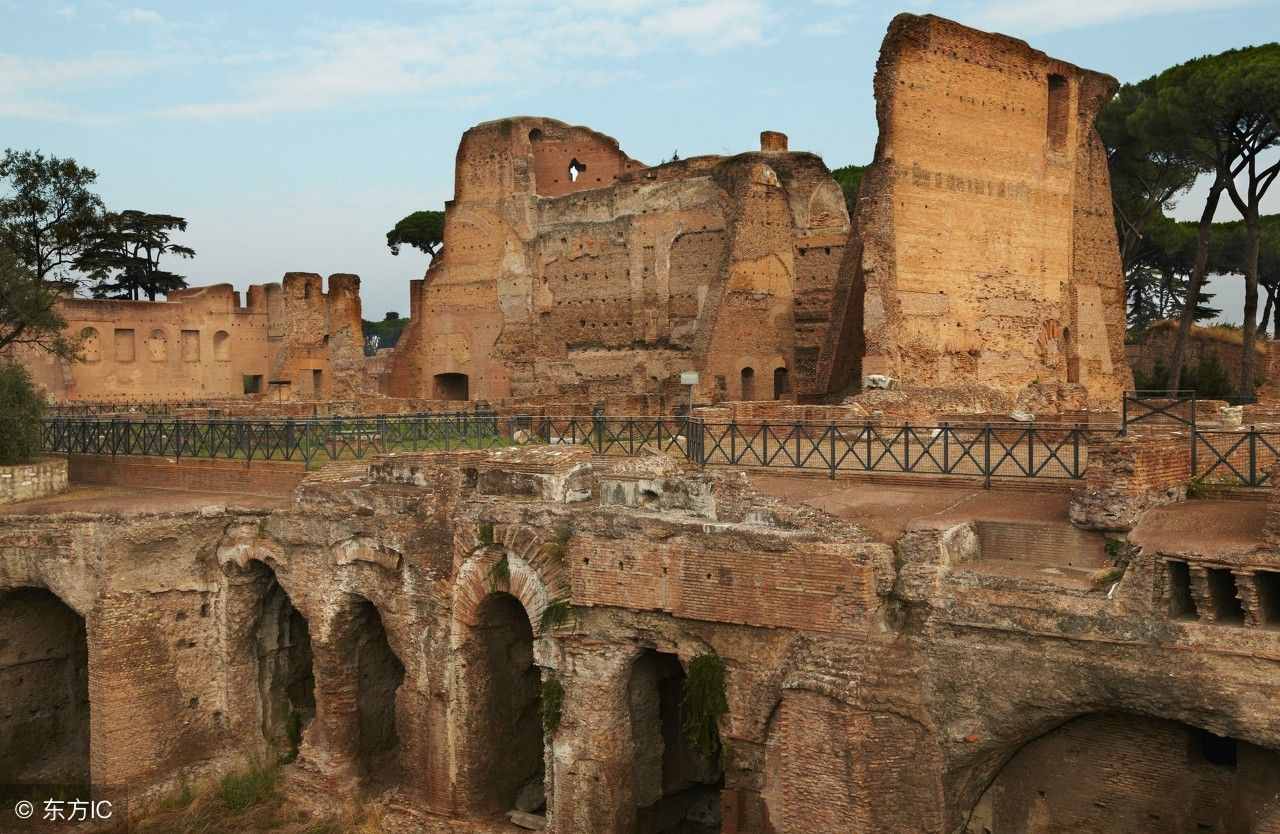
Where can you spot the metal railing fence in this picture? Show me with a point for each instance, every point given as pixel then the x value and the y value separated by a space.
pixel 986 451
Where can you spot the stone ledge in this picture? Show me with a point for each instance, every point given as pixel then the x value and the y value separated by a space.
pixel 45 477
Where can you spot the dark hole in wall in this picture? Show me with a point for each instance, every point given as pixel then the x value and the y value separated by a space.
pixel 781 384
pixel 511 704
pixel 676 788
pixel 748 384
pixel 44 690
pixel 451 387
pixel 1059 108
pixel 1217 750
pixel 1267 584
pixel 286 680
pixel 253 383
pixel 379 674
pixel 1181 605
pixel 1222 593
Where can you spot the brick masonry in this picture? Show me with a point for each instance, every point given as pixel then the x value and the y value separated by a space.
pixel 47 476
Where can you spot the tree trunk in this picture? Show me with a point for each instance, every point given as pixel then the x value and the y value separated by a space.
pixel 1197 282
pixel 1248 352
pixel 1266 309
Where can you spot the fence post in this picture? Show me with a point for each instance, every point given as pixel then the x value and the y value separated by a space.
pixel 906 446
pixel 597 428
pixel 114 439
pixel 177 439
pixel 1075 451
pixel 946 448
pixel 986 456
pixel 832 429
pixel 1253 456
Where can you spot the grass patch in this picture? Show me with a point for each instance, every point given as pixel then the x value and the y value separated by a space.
pixel 239 791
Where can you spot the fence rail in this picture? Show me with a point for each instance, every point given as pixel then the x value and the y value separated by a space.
pixel 1235 458
pixel 987 451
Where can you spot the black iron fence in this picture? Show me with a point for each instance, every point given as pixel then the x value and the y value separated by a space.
pixel 1158 408
pixel 1234 458
pixel 987 451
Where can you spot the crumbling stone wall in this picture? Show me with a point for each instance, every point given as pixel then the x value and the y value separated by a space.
pixel 615 279
pixel 290 340
pixel 868 686
pixel 988 253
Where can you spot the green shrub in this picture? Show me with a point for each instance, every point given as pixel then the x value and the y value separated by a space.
pixel 21 409
pixel 556 614
pixel 484 533
pixel 705 702
pixel 500 573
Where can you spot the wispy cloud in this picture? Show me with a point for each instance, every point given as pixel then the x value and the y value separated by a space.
pixel 1038 16
pixel 483 45
pixel 143 16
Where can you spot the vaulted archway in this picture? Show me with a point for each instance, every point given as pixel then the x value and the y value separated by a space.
pixel 44 690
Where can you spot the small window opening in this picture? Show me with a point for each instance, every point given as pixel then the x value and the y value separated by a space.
pixel 1218 750
pixel 748 388
pixel 1181 605
pixel 1222 592
pixel 317 382
pixel 1059 101
pixel 575 168
pixel 253 383
pixel 535 134
pixel 1268 587
pixel 306 290
pixel 781 385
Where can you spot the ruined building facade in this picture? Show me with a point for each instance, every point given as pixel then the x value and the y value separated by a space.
pixel 289 340
pixel 988 246
pixel 983 249
pixel 570 269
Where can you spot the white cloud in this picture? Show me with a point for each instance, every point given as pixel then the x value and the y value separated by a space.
pixel 486 44
pixel 143 16
pixel 1038 16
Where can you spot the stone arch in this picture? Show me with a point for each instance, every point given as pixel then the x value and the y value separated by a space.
pixel 90 345
pixel 44 675
pixel 222 344
pixel 499 598
pixel 827 209
pixel 372 674
pixel 674 787
pixel 1112 771
pixel 271 642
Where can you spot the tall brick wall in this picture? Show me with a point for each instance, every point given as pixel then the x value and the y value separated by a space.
pixel 614 283
pixel 188 474
pixel 988 253
pixel 201 343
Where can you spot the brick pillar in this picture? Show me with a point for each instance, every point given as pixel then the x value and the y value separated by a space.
pixel 591 751
pixel 1126 476
pixel 1205 608
pixel 1247 591
pixel 327 758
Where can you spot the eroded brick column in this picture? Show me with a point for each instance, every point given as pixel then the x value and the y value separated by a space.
pixel 327 759
pixel 1247 593
pixel 1201 595
pixel 591 750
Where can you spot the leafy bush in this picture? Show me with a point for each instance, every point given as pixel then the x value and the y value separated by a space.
pixel 1208 379
pixel 21 409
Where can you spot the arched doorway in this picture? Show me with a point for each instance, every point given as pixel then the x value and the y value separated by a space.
pixel 508 708
pixel 781 383
pixel 44 690
pixel 283 663
pixel 1111 773
pixel 747 385
pixel 378 676
pixel 676 788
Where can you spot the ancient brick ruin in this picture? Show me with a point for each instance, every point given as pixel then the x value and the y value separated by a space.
pixel 470 640
pixel 291 340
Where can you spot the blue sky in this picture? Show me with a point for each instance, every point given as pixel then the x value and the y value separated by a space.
pixel 293 134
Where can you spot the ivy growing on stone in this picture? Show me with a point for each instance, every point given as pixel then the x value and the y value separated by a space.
pixel 705 702
pixel 484 532
pixel 500 573
pixel 556 614
pixel 552 703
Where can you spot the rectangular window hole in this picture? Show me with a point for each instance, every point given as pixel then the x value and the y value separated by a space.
pixel 253 383
pixel 1222 594
pixel 1181 605
pixel 1268 587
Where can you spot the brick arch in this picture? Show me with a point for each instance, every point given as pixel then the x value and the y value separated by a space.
pixel 77 590
pixel 535 578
